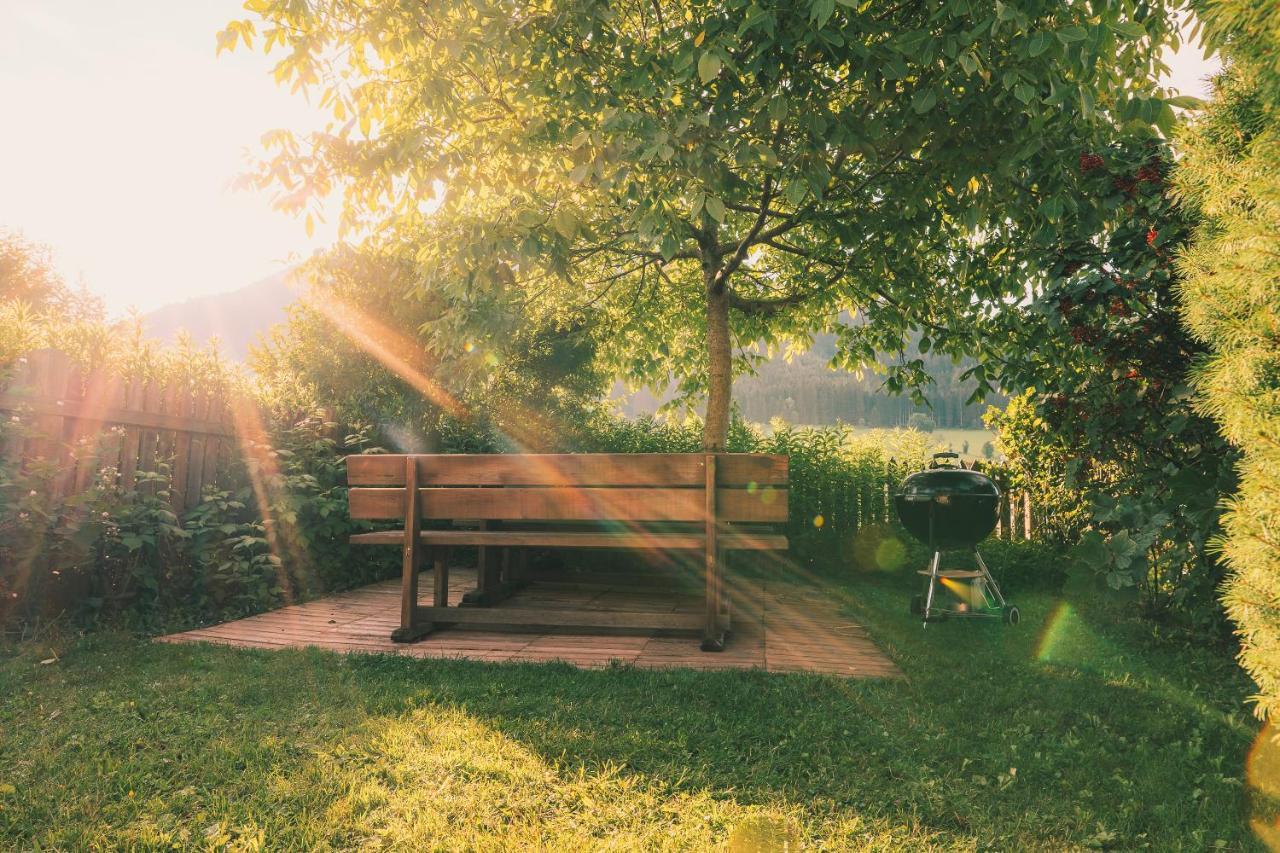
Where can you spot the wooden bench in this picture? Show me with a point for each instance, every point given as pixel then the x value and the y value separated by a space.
pixel 702 505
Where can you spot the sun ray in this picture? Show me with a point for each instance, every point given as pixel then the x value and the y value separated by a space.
pixel 265 479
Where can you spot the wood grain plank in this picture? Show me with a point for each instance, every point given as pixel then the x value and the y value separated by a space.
pixel 565 469
pixel 557 539
pixel 540 617
pixel 573 504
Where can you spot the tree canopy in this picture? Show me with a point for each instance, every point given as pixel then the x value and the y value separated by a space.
pixel 695 180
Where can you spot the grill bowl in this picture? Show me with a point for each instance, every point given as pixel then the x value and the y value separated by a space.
pixel 963 505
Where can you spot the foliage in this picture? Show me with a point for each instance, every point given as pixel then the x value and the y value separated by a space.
pixel 28 276
pixel 107 554
pixel 838 478
pixel 1105 431
pixel 1036 459
pixel 1149 746
pixel 683 179
pixel 803 388
pixel 1230 174
pixel 353 346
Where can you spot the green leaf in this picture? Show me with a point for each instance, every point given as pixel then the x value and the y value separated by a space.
pixel 709 66
pixel 715 208
pixel 1130 29
pixel 795 192
pixel 894 69
pixel 1067 35
pixel 1185 102
pixel 1091 550
pixel 821 11
pixel 565 223
pixel 924 100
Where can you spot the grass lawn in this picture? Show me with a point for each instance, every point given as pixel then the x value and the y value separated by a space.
pixel 1062 733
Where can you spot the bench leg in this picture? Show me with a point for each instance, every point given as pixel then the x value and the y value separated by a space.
pixel 494 577
pixel 726 606
pixel 410 629
pixel 713 634
pixel 488 581
pixel 441 574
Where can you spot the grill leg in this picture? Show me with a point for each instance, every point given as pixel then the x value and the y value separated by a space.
pixel 992 587
pixel 933 579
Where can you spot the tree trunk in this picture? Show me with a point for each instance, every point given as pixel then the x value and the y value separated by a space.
pixel 719 368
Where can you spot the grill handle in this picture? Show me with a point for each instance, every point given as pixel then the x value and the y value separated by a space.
pixel 944 455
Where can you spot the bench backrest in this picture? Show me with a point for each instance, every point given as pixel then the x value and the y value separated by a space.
pixel 749 487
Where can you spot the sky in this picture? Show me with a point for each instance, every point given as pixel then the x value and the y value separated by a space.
pixel 121 132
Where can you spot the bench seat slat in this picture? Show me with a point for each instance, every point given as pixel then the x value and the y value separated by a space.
pixel 559 469
pixel 664 541
pixel 573 504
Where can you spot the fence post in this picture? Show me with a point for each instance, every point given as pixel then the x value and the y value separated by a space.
pixel 1026 515
pixel 1002 515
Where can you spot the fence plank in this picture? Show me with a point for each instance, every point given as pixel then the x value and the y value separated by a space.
pixel 180 405
pixel 210 470
pixel 49 373
pixel 20 384
pixel 195 469
pixel 131 443
pixel 1026 516
pixel 147 448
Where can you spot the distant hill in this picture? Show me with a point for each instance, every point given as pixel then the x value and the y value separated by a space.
pixel 236 318
pixel 807 391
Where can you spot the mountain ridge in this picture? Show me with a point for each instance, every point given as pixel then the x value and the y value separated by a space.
pixel 236 318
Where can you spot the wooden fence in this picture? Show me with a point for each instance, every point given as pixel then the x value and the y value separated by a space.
pixel 88 422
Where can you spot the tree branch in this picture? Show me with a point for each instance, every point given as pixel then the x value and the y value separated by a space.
pixel 740 254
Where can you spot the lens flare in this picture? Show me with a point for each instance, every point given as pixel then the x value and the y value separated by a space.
pixel 966 592
pixel 1054 637
pixel 890 554
pixel 393 350
pixel 268 490
pixel 1262 774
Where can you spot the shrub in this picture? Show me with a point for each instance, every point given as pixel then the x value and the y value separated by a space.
pixel 1105 431
pixel 1231 295
pixel 921 421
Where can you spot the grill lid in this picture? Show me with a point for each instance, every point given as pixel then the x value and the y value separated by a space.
pixel 951 482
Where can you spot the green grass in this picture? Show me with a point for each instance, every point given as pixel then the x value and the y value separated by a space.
pixel 1066 732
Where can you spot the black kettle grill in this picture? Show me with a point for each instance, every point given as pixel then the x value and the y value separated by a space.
pixel 950 508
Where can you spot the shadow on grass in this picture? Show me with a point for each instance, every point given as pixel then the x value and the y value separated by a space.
pixel 998 738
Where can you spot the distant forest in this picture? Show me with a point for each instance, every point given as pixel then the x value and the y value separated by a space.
pixel 808 391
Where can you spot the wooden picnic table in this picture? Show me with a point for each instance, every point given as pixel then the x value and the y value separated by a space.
pixel 698 505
